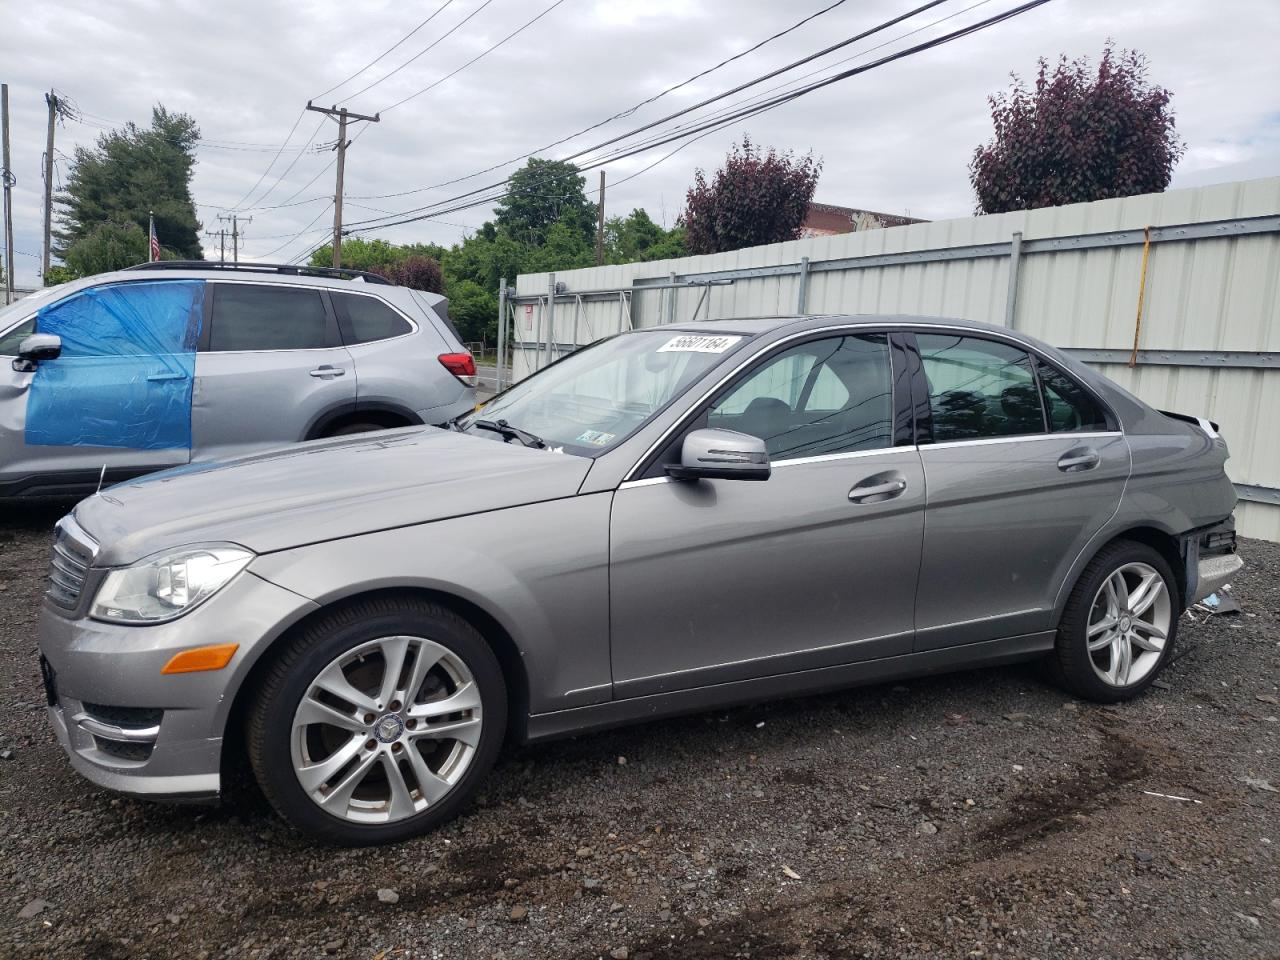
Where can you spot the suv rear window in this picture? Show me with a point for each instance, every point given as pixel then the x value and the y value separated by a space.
pixel 258 317
pixel 364 319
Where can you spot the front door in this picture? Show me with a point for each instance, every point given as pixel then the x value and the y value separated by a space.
pixel 117 399
pixel 1023 469
pixel 713 581
pixel 271 368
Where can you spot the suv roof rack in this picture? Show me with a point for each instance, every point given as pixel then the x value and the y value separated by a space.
pixel 333 273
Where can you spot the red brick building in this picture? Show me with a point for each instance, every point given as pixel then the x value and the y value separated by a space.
pixel 826 219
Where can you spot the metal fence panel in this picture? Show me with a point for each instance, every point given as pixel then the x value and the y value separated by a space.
pixel 1210 330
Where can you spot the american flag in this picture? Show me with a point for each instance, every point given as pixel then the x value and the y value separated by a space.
pixel 155 244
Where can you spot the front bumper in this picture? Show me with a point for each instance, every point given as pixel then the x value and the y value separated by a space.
pixel 129 728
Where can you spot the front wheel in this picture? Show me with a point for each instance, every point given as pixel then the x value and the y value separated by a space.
pixel 378 721
pixel 1119 626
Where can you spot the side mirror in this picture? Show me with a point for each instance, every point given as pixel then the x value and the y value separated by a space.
pixel 37 347
pixel 721 455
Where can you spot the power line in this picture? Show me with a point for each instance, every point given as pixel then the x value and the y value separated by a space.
pixel 617 116
pixel 292 163
pixel 420 53
pixel 441 208
pixel 480 56
pixel 395 45
pixel 679 113
pixel 249 192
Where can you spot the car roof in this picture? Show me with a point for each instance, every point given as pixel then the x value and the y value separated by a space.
pixel 245 273
pixel 753 326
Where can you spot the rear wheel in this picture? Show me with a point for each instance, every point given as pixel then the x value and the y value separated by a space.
pixel 378 722
pixel 1118 630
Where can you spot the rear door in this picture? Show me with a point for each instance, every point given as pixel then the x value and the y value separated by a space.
pixel 271 367
pixel 1023 466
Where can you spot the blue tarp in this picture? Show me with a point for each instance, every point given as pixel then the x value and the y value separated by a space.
pixel 126 371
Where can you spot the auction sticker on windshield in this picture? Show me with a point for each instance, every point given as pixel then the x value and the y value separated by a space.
pixel 690 343
pixel 596 438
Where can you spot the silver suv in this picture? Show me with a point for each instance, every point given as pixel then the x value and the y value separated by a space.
pixel 121 374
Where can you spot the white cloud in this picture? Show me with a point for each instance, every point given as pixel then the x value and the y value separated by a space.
pixel 895 139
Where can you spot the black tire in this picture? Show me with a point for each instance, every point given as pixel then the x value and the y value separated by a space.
pixel 289 676
pixel 350 428
pixel 1070 664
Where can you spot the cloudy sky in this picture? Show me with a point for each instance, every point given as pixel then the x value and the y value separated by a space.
pixel 895 139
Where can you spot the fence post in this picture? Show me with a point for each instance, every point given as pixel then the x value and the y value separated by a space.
pixel 1011 300
pixel 502 332
pixel 802 295
pixel 671 299
pixel 551 315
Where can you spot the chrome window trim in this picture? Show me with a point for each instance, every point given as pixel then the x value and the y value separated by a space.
pixel 868 327
pixel 1019 438
pixel 794 461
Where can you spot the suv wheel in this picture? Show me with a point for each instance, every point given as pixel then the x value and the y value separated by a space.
pixel 378 722
pixel 1119 626
pixel 351 428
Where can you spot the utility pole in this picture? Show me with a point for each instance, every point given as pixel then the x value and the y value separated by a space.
pixel 6 174
pixel 343 115
pixel 222 242
pixel 600 224
pixel 51 99
pixel 235 235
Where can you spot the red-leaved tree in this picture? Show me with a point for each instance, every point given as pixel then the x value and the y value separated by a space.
pixel 757 197
pixel 1079 135
pixel 416 272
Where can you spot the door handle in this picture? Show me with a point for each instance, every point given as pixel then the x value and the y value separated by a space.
pixel 325 372
pixel 1083 458
pixel 885 490
pixel 157 377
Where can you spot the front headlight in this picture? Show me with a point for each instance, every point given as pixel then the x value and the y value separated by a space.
pixel 168 585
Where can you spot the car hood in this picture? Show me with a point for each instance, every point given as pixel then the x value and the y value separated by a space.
pixel 324 490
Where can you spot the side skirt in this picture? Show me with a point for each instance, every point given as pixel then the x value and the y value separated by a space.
pixel 616 713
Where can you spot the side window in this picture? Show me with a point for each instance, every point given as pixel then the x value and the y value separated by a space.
pixel 825 396
pixel 259 317
pixel 979 388
pixel 1068 405
pixel 145 318
pixel 364 319
pixel 10 341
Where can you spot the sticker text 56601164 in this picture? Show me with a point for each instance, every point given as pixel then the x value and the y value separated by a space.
pixel 698 343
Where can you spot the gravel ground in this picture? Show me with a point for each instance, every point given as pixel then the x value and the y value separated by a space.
pixel 977 814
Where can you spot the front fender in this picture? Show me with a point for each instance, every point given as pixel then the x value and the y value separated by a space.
pixel 541 571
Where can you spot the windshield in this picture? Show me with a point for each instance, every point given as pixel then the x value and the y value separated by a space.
pixel 596 397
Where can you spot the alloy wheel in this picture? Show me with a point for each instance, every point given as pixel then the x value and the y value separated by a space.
pixel 386 730
pixel 1129 624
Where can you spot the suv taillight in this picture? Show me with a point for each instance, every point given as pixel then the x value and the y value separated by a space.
pixel 461 365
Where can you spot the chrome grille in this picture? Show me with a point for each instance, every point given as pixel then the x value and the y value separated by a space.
pixel 73 553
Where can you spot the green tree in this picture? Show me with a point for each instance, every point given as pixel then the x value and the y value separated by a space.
pixel 130 173
pixel 109 246
pixel 636 237
pixel 541 193
pixel 563 249
pixel 1081 134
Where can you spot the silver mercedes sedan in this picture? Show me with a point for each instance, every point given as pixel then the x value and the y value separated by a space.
pixel 669 520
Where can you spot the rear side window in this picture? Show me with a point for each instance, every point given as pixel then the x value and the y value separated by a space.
pixel 979 388
pixel 251 317
pixel 1069 406
pixel 365 319
pixel 10 341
